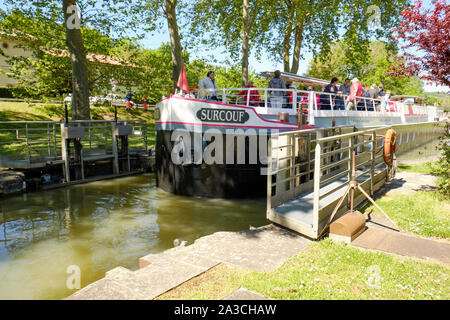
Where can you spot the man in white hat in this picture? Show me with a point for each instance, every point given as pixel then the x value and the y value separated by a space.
pixel 355 91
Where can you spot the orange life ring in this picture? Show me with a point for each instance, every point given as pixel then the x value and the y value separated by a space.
pixel 390 143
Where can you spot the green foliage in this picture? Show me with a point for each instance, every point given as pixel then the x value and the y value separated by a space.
pixel 369 70
pixel 442 99
pixel 219 23
pixel 442 166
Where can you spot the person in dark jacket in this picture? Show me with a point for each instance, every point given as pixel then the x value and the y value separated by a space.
pixel 327 99
pixel 339 103
pixel 381 92
pixel 345 87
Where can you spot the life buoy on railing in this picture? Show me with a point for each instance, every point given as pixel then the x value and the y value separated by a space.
pixel 390 143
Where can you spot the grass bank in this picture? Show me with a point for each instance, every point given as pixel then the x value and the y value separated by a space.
pixel 327 270
pixel 424 213
pixel 423 167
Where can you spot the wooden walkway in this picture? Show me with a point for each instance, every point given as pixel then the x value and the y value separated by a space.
pixel 301 209
pixel 304 194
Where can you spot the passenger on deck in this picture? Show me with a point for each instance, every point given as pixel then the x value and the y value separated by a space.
pixel 290 95
pixel 339 103
pixel 364 103
pixel 355 92
pixel 276 97
pixel 385 101
pixel 381 92
pixel 253 97
pixel 208 87
pixel 345 87
pixel 327 99
pixel 373 91
pixel 306 99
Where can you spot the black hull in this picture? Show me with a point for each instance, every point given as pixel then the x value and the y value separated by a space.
pixel 213 181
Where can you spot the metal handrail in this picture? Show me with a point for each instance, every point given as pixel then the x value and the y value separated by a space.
pixel 39 139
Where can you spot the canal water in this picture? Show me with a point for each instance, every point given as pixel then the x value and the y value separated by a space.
pixel 99 226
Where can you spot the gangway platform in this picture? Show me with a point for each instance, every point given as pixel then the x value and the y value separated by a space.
pixel 304 188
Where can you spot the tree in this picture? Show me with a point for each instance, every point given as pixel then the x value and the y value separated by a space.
pixel 77 51
pixel 239 25
pixel 48 71
pixel 315 24
pixel 424 36
pixel 68 18
pixel 373 70
pixel 169 10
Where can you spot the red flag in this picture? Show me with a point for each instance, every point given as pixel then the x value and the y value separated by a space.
pixel 182 80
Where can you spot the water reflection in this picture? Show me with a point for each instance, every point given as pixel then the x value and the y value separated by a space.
pixel 99 226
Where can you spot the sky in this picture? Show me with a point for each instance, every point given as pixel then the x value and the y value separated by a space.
pixel 265 64
pixel 154 41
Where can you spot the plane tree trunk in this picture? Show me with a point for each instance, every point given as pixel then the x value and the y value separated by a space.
pixel 77 51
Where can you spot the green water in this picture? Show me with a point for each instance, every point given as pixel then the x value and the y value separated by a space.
pixel 99 226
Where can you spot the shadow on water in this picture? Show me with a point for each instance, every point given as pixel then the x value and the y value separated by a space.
pixel 99 226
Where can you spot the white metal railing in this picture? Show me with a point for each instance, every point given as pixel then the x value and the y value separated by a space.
pixel 292 101
pixel 320 160
pixel 92 103
pixel 37 141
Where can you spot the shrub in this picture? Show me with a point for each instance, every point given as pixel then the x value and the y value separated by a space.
pixel 442 166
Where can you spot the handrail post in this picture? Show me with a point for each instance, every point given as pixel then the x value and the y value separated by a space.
pixel 265 99
pixel 54 139
pixel 146 137
pixel 294 101
pixel 224 96
pixel 310 108
pixel 292 170
pixel 28 145
pixel 115 150
pixel 49 151
pixel 269 174
pixel 372 157
pixel 308 157
pixel 349 164
pixel 106 136
pixel 317 170
pixel 90 136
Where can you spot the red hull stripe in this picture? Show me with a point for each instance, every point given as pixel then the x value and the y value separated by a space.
pixel 230 105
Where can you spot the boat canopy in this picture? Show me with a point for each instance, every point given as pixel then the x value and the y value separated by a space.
pixel 407 98
pixel 296 78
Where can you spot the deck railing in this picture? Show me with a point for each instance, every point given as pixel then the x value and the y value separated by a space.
pixel 333 168
pixel 31 143
pixel 319 161
pixel 293 100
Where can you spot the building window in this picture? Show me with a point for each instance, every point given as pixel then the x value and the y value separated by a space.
pixel 5 45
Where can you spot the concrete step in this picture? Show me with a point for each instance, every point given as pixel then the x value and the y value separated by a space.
pixel 165 272
pixel 187 255
pixel 244 294
pixel 404 245
pixel 264 249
